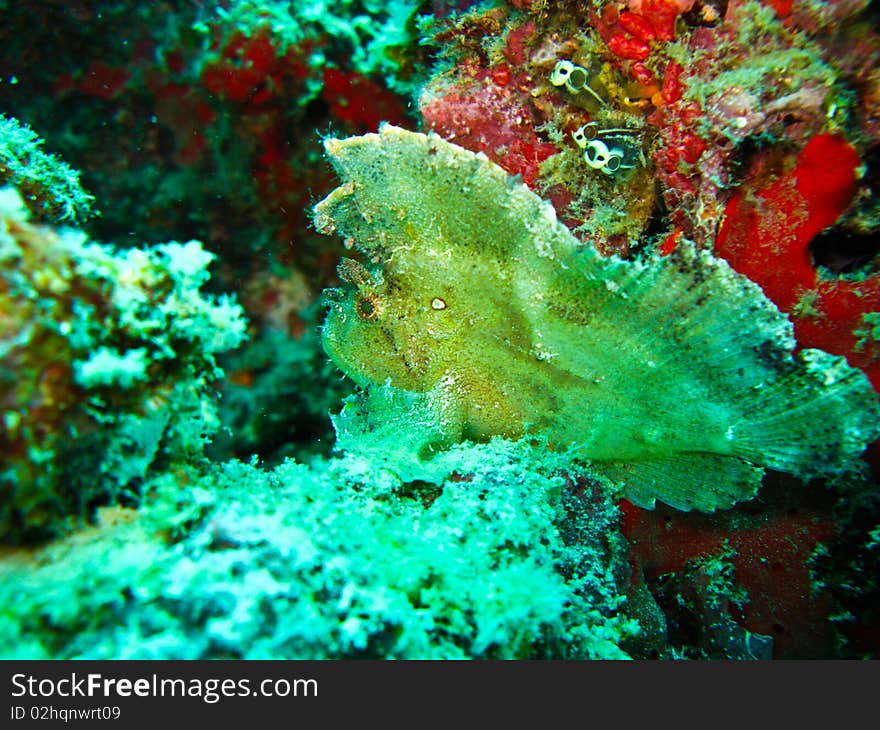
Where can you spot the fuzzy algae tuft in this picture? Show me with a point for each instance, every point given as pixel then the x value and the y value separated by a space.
pixel 675 377
pixel 49 187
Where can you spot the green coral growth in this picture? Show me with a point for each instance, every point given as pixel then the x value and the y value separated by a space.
pixel 868 335
pixel 107 365
pixel 379 34
pixel 50 189
pixel 342 559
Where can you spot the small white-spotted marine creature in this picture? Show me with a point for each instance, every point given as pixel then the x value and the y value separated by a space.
pixel 674 377
pixel 606 149
pixel 574 78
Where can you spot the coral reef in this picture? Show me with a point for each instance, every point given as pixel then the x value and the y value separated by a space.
pixel 49 187
pixel 186 102
pixel 768 549
pixel 843 567
pixel 200 120
pixel 374 36
pixel 277 397
pixel 107 360
pixel 170 488
pixel 700 598
pixel 767 235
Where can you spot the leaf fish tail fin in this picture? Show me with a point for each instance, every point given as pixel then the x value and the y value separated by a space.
pixel 815 417
pixel 686 481
pixel 805 413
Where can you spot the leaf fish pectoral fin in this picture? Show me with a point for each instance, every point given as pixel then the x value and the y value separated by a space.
pixel 686 481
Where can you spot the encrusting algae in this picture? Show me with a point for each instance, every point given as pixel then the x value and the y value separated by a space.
pixel 675 377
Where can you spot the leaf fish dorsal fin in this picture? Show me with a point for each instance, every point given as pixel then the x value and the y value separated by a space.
pixel 675 376
pixel 689 302
pixel 397 183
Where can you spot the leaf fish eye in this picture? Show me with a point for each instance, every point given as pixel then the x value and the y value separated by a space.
pixel 368 306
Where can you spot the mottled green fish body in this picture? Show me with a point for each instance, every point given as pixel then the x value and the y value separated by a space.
pixel 674 376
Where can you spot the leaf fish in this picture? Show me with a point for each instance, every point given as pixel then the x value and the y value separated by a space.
pixel 675 377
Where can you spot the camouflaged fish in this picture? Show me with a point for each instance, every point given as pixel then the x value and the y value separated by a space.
pixel 675 377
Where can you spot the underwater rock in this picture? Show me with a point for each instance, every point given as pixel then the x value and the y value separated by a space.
pixel 675 376
pixel 336 560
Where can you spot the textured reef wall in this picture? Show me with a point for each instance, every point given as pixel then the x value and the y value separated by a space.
pixel 108 361
pixel 184 470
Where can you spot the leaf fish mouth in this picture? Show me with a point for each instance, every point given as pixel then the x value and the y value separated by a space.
pixel 335 348
pixel 332 344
